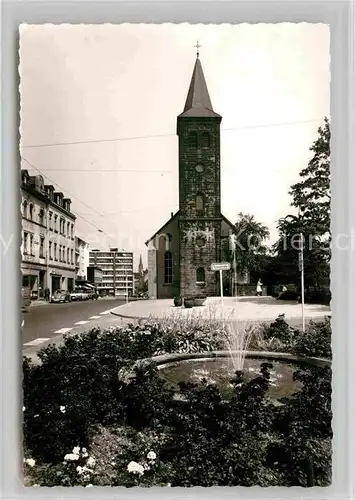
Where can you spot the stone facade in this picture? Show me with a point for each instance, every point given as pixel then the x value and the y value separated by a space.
pixel 180 254
pixel 47 245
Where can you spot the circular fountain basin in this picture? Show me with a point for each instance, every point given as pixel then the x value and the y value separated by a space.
pixel 218 369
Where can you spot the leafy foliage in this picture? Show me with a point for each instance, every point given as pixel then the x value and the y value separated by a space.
pixel 311 197
pixel 250 243
pixel 138 431
pixel 316 341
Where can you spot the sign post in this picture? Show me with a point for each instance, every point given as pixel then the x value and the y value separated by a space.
pixel 301 269
pixel 221 266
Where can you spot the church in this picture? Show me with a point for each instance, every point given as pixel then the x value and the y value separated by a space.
pixel 181 252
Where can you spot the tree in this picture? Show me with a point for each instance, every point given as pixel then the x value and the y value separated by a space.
pixel 311 197
pixel 249 251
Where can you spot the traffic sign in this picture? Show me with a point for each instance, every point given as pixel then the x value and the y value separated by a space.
pixel 220 266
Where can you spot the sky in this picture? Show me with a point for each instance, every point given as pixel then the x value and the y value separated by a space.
pixel 99 106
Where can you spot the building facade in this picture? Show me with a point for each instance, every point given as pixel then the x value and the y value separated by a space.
pixel 180 254
pixel 117 270
pixel 81 259
pixel 48 228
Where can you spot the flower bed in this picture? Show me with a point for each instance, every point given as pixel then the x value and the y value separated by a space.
pixel 86 423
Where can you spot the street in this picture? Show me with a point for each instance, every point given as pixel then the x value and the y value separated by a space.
pixel 45 322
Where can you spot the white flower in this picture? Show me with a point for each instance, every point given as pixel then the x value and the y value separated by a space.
pixel 84 450
pixel 79 469
pixel 169 484
pixel 71 456
pixel 30 462
pixel 76 450
pixel 135 468
pixel 23 408
pixel 151 455
pixel 85 454
pixel 89 486
pixel 113 463
pixel 62 409
pixel 91 462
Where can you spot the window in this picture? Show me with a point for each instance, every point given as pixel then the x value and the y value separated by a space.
pixel 50 250
pixel 50 220
pixel 68 229
pixel 64 254
pixel 31 244
pixel 168 268
pixel 199 203
pixel 60 253
pixel 72 256
pixel 41 217
pixel 55 223
pixel 193 139
pixel 25 243
pixel 55 251
pixel 31 211
pixel 68 257
pixel 200 275
pixel 41 247
pixel 206 140
pixel 72 230
pixel 62 223
pixel 24 208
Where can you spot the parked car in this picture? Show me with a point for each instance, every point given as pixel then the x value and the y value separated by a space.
pixel 85 294
pixel 26 298
pixel 60 296
pixel 76 294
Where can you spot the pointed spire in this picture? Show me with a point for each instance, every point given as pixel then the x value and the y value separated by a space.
pixel 198 102
pixel 140 267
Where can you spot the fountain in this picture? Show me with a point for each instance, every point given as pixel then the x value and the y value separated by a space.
pixel 221 367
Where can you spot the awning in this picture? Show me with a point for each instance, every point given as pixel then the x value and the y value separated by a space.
pixel 87 285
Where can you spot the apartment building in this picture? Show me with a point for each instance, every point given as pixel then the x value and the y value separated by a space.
pixel 81 259
pixel 48 244
pixel 117 270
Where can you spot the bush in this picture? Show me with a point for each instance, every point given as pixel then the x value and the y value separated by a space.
pixel 82 378
pixel 281 331
pixel 91 393
pixel 316 341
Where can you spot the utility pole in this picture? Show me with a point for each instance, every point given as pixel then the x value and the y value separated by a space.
pixel 301 268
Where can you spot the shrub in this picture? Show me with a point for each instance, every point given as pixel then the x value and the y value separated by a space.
pixel 316 341
pixel 280 330
pixel 91 393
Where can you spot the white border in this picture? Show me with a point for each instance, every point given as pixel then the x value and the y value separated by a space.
pixel 340 16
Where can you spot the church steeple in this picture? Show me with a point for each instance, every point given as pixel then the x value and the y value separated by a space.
pixel 198 102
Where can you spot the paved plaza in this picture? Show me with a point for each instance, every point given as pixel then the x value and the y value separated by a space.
pixel 241 308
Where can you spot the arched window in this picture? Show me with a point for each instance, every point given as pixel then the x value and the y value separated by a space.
pixel 200 275
pixel 193 139
pixel 41 216
pixel 31 211
pixel 168 268
pixel 199 203
pixel 206 140
pixel 24 206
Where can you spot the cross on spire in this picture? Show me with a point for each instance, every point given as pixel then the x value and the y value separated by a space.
pixel 197 47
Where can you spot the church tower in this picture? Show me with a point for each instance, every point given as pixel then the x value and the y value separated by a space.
pixel 198 129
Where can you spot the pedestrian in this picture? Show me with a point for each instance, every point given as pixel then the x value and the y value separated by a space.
pixel 259 290
pixel 46 294
pixel 282 291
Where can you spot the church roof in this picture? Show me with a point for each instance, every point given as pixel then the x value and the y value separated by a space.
pixel 198 103
pixel 173 216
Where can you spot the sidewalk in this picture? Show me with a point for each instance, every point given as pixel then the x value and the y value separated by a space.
pixel 242 308
pixel 39 302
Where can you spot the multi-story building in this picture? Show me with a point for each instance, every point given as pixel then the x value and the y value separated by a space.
pixel 81 259
pixel 47 237
pixel 117 270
